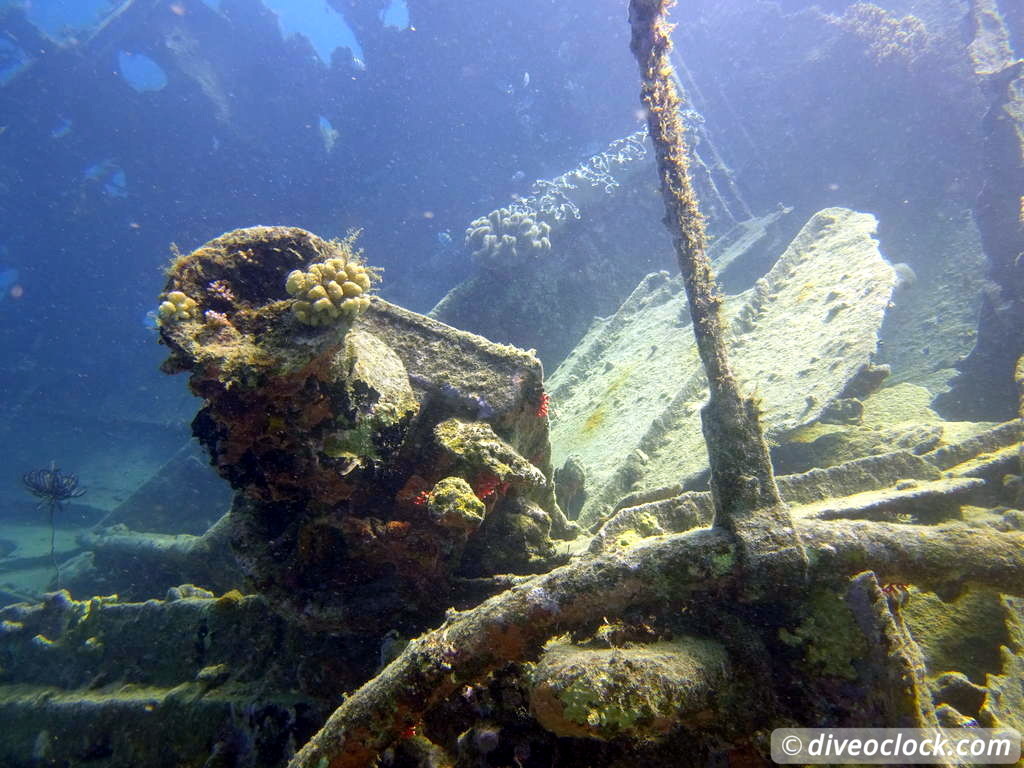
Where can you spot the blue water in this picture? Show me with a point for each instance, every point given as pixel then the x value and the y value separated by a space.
pixel 124 130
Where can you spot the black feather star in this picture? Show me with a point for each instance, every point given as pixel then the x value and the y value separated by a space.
pixel 52 487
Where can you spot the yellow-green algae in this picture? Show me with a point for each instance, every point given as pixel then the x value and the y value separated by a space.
pixel 598 416
pixel 355 443
pixel 962 635
pixel 639 692
pixel 477 447
pixel 378 391
pixel 453 504
pixel 828 634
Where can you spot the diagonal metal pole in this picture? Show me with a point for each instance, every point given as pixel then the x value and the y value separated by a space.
pixel 747 500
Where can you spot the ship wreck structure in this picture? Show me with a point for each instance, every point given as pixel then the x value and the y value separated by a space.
pixel 718 516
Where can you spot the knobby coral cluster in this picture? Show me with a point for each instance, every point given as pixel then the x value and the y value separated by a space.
pixel 218 290
pixel 329 291
pixel 176 308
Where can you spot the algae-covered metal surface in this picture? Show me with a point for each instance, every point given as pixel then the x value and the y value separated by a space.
pixel 627 400
pixel 341 436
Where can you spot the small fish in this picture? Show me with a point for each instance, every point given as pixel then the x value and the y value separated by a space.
pixel 526 79
pixel 8 280
pixel 328 133
pixel 518 176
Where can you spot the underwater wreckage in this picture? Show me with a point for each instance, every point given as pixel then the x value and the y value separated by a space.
pixel 386 467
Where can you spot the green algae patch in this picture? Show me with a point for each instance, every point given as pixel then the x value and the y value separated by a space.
pixel 586 706
pixel 641 526
pixel 963 635
pixel 477 449
pixel 829 635
pixel 354 443
pixel 628 538
pixel 723 563
pixel 453 504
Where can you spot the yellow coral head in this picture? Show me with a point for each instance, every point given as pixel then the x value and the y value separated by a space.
pixel 176 308
pixel 331 290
